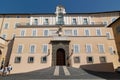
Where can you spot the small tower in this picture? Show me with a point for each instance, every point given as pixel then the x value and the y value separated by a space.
pixel 60 12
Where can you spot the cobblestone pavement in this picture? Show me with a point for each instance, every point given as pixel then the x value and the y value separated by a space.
pixel 60 72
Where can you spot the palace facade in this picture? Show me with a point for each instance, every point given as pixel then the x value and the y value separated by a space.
pixel 35 41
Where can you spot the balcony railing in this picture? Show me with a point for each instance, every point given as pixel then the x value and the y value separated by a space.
pixel 60 38
pixel 34 24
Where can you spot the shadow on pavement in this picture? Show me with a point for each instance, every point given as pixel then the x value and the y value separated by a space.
pixel 105 75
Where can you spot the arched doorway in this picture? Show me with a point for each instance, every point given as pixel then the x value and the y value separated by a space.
pixel 60 57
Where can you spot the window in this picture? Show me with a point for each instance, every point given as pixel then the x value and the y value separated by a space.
pixel 4 36
pixel 74 21
pixel 88 48
pixel 22 33
pixel 44 59
pixel 17 60
pixel 113 19
pixel 32 48
pixel 20 48
pixel 6 26
pixel 28 16
pixel 44 48
pixel 76 48
pixel 85 21
pixel 46 21
pixel 75 32
pixel 35 21
pixel 98 32
pixel 16 24
pixel 87 33
pixel 102 60
pixel 77 59
pixel 108 35
pixel 46 33
pixel 18 16
pixel 34 32
pixel 101 48
pixel 30 59
pixel 89 59
pixel 68 32
pixel 105 23
pixel 111 50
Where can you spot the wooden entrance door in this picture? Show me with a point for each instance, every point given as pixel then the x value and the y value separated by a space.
pixel 60 57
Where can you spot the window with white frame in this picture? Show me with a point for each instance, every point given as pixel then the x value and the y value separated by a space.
pixel 46 22
pixel 74 21
pixel 111 50
pixel 44 59
pixel 6 26
pixel 16 24
pixel 76 48
pixel 87 32
pixel 44 48
pixel 108 35
pixel 89 59
pixel 75 32
pixel 32 48
pixel 20 48
pixel 17 60
pixel 22 33
pixel 46 33
pixel 4 36
pixel 35 22
pixel 88 48
pixel 34 32
pixel 30 59
pixel 105 23
pixel 98 32
pixel 76 59
pixel 113 19
pixel 102 59
pixel 101 48
pixel 68 32
pixel 85 21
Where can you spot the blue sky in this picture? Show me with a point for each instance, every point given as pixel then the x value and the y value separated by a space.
pixel 48 6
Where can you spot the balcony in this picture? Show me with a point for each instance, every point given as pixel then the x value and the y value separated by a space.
pixel 60 38
pixel 61 23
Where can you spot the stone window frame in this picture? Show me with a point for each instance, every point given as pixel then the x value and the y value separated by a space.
pixel 76 59
pixel 29 59
pixel 103 61
pixel 42 59
pixel 21 49
pixel 87 50
pixel 100 32
pixel 6 27
pixel 17 59
pixel 88 59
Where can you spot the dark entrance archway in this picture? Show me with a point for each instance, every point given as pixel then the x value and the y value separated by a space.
pixel 60 57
